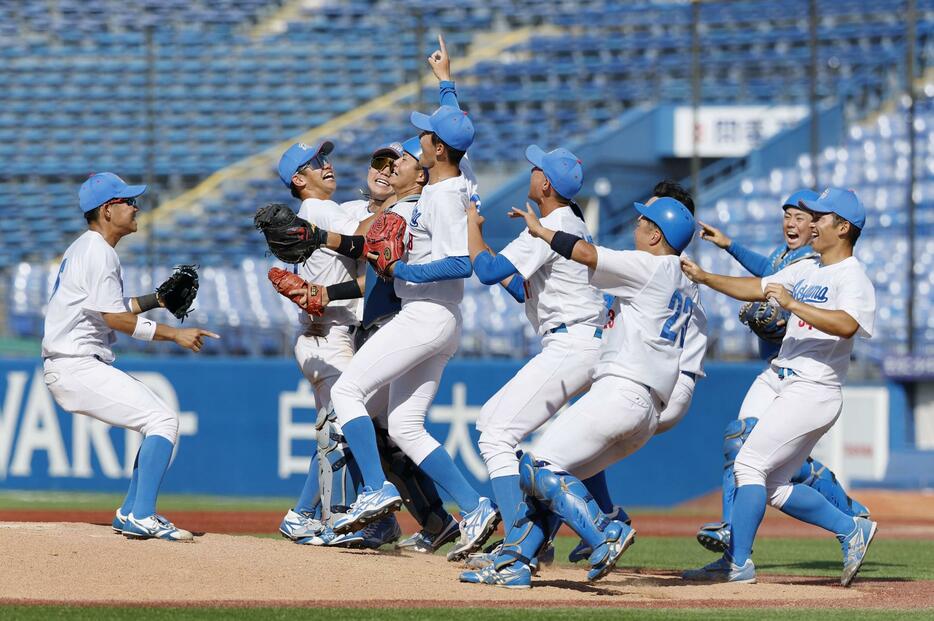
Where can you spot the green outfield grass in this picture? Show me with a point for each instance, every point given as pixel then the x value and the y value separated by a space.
pixel 29 613
pixel 62 501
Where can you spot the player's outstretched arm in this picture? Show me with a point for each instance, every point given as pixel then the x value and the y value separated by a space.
pixel 835 322
pixel 148 330
pixel 746 288
pixel 440 62
pixel 567 245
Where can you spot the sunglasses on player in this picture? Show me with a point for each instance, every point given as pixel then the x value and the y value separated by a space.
pixel 317 162
pixel 380 162
pixel 126 201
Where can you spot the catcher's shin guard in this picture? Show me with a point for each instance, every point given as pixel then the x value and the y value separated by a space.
pixel 814 473
pixel 734 435
pixel 527 536
pixel 340 477
pixel 566 496
pixel 418 491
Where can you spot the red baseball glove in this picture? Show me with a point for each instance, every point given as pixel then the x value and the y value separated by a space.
pixel 285 281
pixel 386 239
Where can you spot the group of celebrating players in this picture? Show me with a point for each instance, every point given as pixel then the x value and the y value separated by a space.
pixel 379 283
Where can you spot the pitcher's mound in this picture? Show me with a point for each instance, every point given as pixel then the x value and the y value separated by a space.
pixel 74 563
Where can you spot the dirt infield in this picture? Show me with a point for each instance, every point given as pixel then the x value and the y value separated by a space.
pixel 904 515
pixel 84 564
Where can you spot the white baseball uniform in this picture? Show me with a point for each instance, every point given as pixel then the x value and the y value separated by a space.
pixel 411 350
pixel 692 367
pixel 76 349
pixel 798 398
pixel 323 358
pixel 569 315
pixel 638 368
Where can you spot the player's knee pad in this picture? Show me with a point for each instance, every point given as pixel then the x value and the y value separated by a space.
pixel 735 435
pixel 337 481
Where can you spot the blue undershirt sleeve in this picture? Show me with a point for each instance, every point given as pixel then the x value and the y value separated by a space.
pixel 757 264
pixel 448 268
pixel 516 288
pixel 490 270
pixel 448 94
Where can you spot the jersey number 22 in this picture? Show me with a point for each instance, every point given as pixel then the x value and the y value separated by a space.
pixel 679 306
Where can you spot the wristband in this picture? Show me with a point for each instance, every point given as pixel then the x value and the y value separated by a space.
pixel 145 329
pixel 347 290
pixel 563 243
pixel 147 302
pixel 351 246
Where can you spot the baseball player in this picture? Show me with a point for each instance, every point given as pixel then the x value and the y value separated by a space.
pixel 715 536
pixel 798 398
pixel 634 378
pixel 563 308
pixel 410 352
pixel 86 308
pixel 325 345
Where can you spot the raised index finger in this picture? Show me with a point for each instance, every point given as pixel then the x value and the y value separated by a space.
pixel 207 333
pixel 444 49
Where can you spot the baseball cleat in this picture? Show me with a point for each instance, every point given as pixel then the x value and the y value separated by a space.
pixel 583 550
pixel 476 528
pixel 855 546
pixel 514 576
pixel 714 536
pixel 118 523
pixel 425 543
pixel 723 570
pixel 619 537
pixel 154 527
pixel 858 509
pixel 353 541
pixel 381 532
pixel 296 525
pixel 369 506
pixel 323 538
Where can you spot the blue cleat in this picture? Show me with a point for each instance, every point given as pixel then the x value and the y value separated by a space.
pixel 382 532
pixel 296 525
pixel 369 506
pixel 118 523
pixel 424 542
pixel 582 550
pixel 154 527
pixel 855 546
pixel 619 537
pixel 715 536
pixel 476 527
pixel 513 576
pixel 723 570
pixel 323 538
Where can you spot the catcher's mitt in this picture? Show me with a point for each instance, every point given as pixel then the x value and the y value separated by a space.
pixel 386 239
pixel 285 281
pixel 178 292
pixel 766 320
pixel 290 238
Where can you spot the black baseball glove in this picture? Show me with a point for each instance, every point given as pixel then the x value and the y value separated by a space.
pixel 178 292
pixel 766 320
pixel 290 238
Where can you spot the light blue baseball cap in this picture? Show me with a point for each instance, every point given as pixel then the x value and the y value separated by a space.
pixel 797 197
pixel 561 167
pixel 413 146
pixel 450 124
pixel 842 202
pixel 102 187
pixel 297 156
pixel 672 217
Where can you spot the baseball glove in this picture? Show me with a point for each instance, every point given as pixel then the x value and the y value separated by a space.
pixel 178 291
pixel 766 320
pixel 285 281
pixel 386 239
pixel 290 238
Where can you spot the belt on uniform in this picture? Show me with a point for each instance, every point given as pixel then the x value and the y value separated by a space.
pixel 693 376
pixel 597 333
pixel 784 372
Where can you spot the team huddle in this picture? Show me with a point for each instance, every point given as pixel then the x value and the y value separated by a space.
pixel 378 284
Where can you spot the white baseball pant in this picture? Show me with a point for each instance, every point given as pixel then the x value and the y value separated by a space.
pixel 409 353
pixel 323 358
pixel 563 369
pixel 678 405
pixel 793 413
pixel 614 419
pixel 85 385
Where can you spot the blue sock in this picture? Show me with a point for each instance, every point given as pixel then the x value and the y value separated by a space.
pixel 361 438
pixel 807 504
pixel 310 497
pixel 154 456
pixel 729 492
pixel 127 507
pixel 440 467
pixel 597 487
pixel 748 510
pixel 508 496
